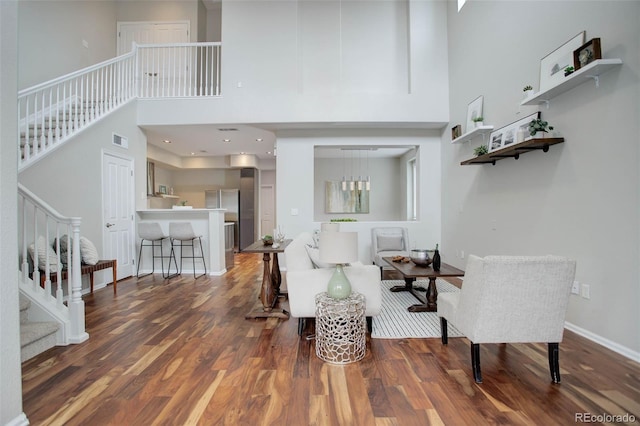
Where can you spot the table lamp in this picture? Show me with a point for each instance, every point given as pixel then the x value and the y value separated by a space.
pixel 338 248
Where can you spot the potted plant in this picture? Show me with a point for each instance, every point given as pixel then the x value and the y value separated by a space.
pixel 539 127
pixel 481 150
pixel 568 70
pixel 478 121
pixel 528 91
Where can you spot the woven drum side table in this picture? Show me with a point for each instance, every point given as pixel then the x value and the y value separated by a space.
pixel 340 328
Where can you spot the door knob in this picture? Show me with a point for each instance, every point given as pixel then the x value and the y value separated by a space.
pixel 109 225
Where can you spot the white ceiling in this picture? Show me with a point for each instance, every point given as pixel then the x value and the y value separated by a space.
pixel 209 140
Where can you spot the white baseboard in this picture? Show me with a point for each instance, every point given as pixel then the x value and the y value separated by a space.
pixel 21 420
pixel 616 347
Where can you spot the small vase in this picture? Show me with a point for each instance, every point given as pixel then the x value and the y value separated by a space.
pixel 479 123
pixel 528 93
pixel 339 286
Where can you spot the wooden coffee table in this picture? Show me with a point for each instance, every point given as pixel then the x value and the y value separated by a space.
pixel 411 271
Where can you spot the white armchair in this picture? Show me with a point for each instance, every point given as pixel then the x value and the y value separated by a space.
pixel 306 277
pixel 509 299
pixel 388 242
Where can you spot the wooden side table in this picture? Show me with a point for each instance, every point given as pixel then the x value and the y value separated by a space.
pixel 271 279
pixel 340 328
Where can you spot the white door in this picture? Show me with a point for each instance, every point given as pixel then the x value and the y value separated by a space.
pixel 151 33
pixel 267 210
pixel 118 211
pixel 161 71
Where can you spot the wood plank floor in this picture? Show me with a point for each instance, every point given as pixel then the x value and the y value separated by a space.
pixel 179 352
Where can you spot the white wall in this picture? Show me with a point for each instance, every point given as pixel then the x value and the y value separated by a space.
pixel 265 52
pixel 11 383
pixel 45 52
pixel 580 199
pixel 73 187
pixel 295 177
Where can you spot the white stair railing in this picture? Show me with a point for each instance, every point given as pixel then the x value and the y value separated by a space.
pixel 43 230
pixel 50 113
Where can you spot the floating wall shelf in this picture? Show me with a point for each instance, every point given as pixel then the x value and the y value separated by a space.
pixel 480 130
pixel 591 71
pixel 514 151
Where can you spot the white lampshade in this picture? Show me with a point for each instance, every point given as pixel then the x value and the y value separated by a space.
pixel 338 247
pixel 330 226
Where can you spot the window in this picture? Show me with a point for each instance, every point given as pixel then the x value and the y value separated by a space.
pixel 412 190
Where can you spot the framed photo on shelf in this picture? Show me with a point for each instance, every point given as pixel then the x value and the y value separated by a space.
pixel 495 140
pixel 552 66
pixel 512 133
pixel 456 131
pixel 587 53
pixel 474 110
pixel 162 189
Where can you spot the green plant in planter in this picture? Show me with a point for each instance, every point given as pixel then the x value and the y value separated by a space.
pixel 477 119
pixel 568 70
pixel 481 150
pixel 539 125
pixel 526 88
pixel 183 203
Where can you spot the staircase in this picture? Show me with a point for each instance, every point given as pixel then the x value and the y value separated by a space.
pixel 35 337
pixel 51 113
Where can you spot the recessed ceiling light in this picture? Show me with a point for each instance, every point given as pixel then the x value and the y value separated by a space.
pixel 268 152
pixel 166 141
pixel 242 153
pixel 259 140
pixel 226 140
pixel 193 153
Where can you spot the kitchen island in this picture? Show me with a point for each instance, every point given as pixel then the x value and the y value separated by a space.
pixel 206 222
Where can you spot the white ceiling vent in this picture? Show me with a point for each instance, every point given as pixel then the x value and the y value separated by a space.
pixel 120 141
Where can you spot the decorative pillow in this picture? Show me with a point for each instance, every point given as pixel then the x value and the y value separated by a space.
pixel 44 253
pixel 390 242
pixel 88 252
pixel 314 255
pixel 316 239
pixel 65 247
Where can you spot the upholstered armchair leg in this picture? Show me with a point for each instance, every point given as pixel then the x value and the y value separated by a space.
pixel 301 323
pixel 369 324
pixel 443 330
pixel 475 362
pixel 554 362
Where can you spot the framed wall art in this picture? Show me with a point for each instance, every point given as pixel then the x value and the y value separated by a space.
pixel 456 131
pixel 587 53
pixel 349 201
pixel 474 110
pixel 495 140
pixel 552 66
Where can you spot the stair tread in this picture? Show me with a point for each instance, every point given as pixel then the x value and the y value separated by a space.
pixel 32 331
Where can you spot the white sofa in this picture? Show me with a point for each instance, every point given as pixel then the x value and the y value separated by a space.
pixel 305 280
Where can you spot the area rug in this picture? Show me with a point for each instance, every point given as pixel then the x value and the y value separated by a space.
pixel 395 322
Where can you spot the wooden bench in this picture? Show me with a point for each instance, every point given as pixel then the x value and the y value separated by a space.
pixel 87 269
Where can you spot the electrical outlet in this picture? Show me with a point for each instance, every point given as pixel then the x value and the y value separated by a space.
pixel 575 288
pixel 586 294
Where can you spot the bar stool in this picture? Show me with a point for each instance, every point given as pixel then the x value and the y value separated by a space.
pixel 183 232
pixel 151 235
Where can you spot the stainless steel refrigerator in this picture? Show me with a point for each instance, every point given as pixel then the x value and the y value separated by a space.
pixel 228 199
